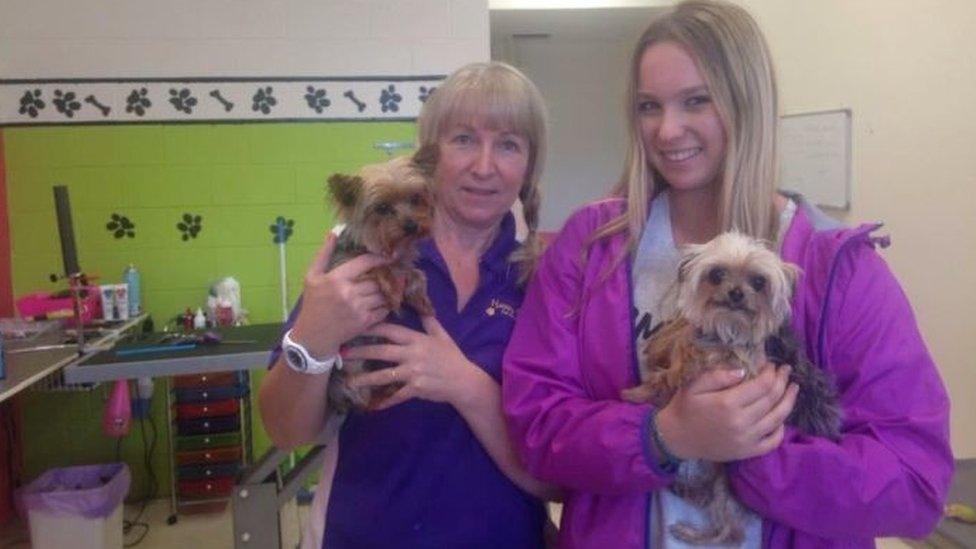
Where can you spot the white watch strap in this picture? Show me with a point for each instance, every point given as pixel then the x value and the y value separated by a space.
pixel 304 362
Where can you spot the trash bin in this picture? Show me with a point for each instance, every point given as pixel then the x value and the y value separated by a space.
pixel 77 506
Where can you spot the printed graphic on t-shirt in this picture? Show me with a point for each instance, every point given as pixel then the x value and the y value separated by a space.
pixel 644 326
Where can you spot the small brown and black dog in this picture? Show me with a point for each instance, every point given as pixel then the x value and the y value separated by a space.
pixel 386 209
pixel 733 311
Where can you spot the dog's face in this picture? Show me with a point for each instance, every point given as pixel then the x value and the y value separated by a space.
pixel 387 206
pixel 735 288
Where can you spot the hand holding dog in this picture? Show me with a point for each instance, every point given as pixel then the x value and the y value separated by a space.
pixel 721 418
pixel 337 304
pixel 428 365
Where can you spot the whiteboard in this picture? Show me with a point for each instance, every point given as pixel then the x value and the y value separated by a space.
pixel 815 156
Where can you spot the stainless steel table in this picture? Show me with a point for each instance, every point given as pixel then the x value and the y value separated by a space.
pixel 26 365
pixel 25 369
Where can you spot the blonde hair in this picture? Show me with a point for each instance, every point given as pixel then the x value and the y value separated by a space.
pixel 502 96
pixel 730 52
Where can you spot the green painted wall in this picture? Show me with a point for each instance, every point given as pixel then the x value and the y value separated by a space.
pixel 238 177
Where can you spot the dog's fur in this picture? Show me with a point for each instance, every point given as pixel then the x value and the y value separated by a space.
pixel 733 309
pixel 387 208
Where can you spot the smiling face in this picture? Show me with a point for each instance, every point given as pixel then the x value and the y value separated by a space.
pixel 480 169
pixel 681 130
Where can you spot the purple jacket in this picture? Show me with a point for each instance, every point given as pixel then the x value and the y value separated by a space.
pixel 572 352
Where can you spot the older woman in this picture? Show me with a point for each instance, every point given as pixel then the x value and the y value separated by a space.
pixel 432 467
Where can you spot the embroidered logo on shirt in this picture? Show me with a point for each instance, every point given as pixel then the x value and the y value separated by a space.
pixel 500 307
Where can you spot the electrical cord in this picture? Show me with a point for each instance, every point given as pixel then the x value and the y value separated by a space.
pixel 152 483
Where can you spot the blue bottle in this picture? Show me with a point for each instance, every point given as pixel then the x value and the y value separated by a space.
pixel 131 278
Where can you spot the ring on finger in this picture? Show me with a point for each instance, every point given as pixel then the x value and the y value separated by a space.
pixel 394 376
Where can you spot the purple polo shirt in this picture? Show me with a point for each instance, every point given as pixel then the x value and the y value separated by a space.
pixel 415 476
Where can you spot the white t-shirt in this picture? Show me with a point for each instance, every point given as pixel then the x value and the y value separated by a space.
pixel 654 272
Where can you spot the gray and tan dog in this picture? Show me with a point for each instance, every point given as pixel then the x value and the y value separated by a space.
pixel 733 311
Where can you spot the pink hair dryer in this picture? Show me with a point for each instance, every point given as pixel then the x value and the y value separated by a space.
pixel 118 410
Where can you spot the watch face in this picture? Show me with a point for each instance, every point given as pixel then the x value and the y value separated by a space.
pixel 295 359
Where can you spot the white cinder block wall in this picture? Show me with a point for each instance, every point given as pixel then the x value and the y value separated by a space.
pixel 148 38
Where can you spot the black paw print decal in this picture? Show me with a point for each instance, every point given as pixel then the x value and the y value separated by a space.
pixel 190 226
pixel 66 103
pixel 389 99
pixel 120 226
pixel 263 100
pixel 182 100
pixel 425 92
pixel 317 99
pixel 31 103
pixel 138 101
pixel 282 229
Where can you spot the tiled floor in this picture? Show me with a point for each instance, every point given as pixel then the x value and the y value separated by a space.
pixel 215 531
pixel 210 531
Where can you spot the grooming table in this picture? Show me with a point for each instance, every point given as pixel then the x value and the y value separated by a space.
pixel 25 369
pixel 108 365
pixel 29 362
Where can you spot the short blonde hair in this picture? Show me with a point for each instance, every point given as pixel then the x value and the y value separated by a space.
pixel 732 55
pixel 503 97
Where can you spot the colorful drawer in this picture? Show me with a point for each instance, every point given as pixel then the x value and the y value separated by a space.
pixel 205 488
pixel 210 470
pixel 200 442
pixel 204 425
pixel 208 380
pixel 207 394
pixel 210 455
pixel 207 409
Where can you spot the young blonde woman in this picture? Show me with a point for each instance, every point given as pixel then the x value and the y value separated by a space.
pixel 702 160
pixel 433 467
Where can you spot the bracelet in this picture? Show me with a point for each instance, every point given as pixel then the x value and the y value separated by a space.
pixel 670 461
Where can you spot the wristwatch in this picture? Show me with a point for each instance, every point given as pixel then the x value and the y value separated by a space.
pixel 299 359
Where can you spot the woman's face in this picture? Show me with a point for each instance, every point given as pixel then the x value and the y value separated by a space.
pixel 683 136
pixel 479 172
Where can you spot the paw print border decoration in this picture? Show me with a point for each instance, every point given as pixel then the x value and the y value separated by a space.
pixel 161 100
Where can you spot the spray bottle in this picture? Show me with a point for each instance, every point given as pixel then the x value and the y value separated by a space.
pixel 131 278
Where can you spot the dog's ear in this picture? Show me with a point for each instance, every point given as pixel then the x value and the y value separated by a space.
pixel 792 273
pixel 426 159
pixel 345 190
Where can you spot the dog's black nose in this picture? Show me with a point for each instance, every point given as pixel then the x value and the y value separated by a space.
pixel 736 295
pixel 410 226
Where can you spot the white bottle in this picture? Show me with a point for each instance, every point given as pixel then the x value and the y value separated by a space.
pixel 199 320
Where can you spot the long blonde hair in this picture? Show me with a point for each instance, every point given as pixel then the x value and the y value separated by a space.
pixel 504 97
pixel 732 55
